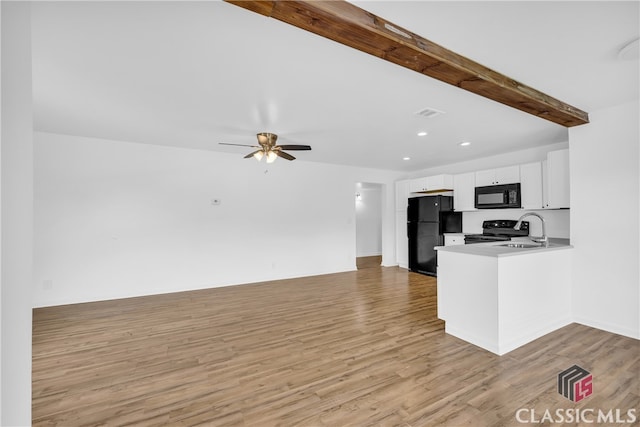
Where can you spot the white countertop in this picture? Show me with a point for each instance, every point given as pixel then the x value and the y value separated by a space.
pixel 497 249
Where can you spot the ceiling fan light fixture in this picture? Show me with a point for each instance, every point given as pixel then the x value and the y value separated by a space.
pixel 271 156
pixel 268 148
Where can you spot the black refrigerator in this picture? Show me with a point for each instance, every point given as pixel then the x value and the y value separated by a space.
pixel 428 218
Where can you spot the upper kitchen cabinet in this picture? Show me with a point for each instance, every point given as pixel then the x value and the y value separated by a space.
pixel 506 175
pixel 556 180
pixel 402 194
pixel 531 185
pixel 464 185
pixel 546 184
pixel 431 184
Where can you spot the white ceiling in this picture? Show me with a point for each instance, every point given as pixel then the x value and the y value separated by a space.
pixel 193 74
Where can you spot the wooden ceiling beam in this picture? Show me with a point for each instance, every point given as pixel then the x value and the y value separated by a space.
pixel 350 25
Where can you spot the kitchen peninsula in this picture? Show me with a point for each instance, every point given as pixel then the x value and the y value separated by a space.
pixel 502 295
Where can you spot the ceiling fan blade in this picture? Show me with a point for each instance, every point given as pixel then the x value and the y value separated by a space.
pixel 284 155
pixel 295 147
pixel 251 154
pixel 238 145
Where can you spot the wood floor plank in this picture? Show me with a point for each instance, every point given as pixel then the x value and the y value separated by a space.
pixel 361 348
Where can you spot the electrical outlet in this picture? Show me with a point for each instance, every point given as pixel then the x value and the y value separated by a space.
pixel 47 284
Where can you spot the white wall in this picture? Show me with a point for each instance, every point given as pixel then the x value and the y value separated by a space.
pixel 369 220
pixel 490 162
pixel 605 198
pixel 118 219
pixel 556 220
pixel 17 215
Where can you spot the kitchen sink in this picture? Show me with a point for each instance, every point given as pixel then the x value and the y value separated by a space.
pixel 520 245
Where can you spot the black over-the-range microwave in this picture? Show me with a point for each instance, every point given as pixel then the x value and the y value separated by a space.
pixel 498 196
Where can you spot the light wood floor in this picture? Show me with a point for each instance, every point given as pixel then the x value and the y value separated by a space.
pixel 362 348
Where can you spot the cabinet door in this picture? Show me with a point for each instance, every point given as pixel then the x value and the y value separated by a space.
pixel 531 185
pixel 418 185
pixel 486 177
pixel 464 191
pixel 453 239
pixel 558 179
pixel 439 182
pixel 507 175
pixel 431 183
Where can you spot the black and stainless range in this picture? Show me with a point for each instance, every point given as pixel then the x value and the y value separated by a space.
pixel 498 230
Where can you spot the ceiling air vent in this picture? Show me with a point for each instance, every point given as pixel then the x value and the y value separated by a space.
pixel 429 113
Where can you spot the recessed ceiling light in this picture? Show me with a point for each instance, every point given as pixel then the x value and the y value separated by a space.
pixel 465 143
pixel 406 158
pixel 422 133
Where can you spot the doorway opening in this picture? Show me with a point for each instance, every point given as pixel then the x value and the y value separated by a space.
pixel 368 224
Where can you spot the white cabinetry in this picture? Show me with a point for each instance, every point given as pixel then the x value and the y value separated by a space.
pixel 500 303
pixel 464 185
pixel 531 185
pixel 546 184
pixel 431 184
pixel 556 176
pixel 506 175
pixel 452 239
pixel 440 182
pixel 418 185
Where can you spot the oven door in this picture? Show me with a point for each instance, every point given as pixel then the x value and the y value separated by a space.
pixel 498 196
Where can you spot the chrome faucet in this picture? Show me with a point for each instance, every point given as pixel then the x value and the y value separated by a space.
pixel 544 240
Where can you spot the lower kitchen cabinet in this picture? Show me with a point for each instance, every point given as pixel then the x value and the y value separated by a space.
pixel 500 303
pixel 452 239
